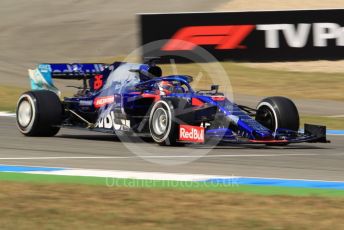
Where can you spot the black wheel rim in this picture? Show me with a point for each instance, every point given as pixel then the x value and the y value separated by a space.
pixel 266 117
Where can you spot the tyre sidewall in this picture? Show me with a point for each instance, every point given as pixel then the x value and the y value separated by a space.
pixel 165 136
pixel 284 111
pixel 46 113
pixel 29 129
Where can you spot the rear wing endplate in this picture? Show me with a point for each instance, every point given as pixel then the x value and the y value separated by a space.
pixel 42 76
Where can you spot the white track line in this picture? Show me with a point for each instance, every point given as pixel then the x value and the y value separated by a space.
pixel 112 174
pixel 148 175
pixel 178 156
pixel 142 175
pixel 336 116
pixel 7 114
pixel 131 175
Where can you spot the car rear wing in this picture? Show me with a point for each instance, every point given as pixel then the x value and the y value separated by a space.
pixel 42 76
pixel 72 71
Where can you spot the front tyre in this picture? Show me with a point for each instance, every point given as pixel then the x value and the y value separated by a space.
pixel 162 125
pixel 278 112
pixel 39 113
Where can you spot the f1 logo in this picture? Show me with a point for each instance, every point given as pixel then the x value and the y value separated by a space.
pixel 224 37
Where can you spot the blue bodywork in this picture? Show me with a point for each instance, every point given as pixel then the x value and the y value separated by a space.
pixel 117 97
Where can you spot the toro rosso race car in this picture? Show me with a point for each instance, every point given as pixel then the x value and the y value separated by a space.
pixel 135 99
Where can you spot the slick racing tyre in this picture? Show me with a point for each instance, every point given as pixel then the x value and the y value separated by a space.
pixel 39 113
pixel 278 112
pixel 162 125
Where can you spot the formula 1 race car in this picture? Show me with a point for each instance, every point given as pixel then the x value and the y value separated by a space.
pixel 131 99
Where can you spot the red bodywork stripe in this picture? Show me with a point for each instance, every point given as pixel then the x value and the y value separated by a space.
pixel 218 98
pixel 150 95
pixel 268 141
pixel 196 102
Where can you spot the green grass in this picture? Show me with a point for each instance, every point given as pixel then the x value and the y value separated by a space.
pixel 257 81
pixel 80 206
pixel 245 80
pixel 263 82
pixel 9 96
pixel 32 201
pixel 192 186
pixel 329 122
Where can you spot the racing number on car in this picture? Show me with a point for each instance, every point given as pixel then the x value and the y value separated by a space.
pixel 98 82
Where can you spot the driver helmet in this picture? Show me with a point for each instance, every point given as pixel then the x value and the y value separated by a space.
pixel 166 87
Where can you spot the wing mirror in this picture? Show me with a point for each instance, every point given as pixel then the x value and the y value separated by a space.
pixel 214 88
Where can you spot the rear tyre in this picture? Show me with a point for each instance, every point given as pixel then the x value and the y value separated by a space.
pixel 162 125
pixel 278 112
pixel 39 113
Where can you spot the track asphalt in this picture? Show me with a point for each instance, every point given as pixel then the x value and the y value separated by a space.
pixel 89 150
